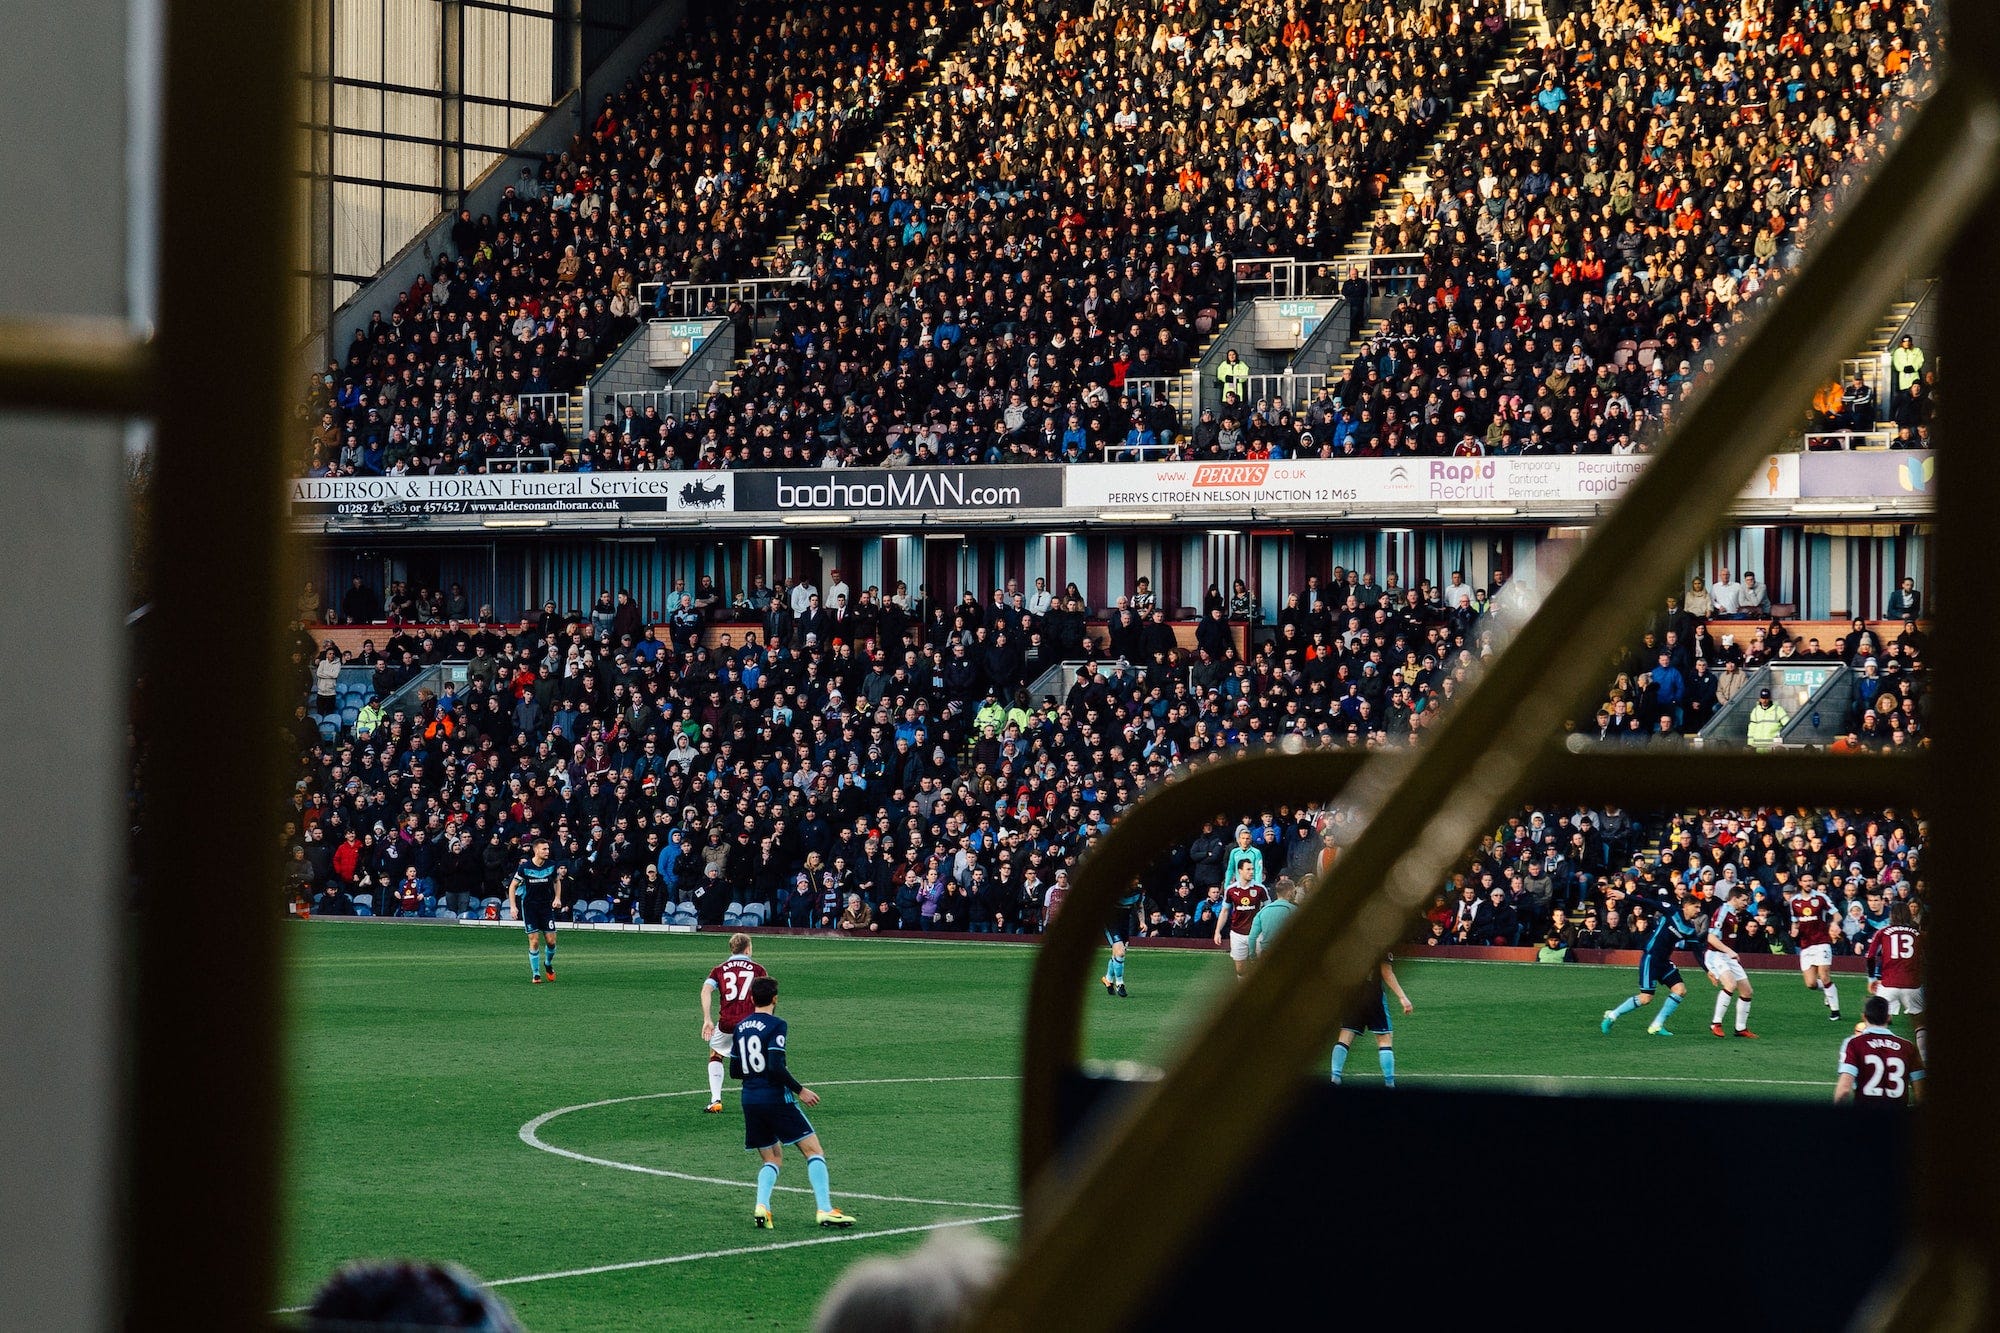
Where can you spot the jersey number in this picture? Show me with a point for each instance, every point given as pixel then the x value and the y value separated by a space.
pixel 735 985
pixel 751 1051
pixel 1885 1077
pixel 1901 946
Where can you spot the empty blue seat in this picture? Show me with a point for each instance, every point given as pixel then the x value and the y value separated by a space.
pixel 363 909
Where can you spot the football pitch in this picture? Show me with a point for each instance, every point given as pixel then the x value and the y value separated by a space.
pixel 551 1138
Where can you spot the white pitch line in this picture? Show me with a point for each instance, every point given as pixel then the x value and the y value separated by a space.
pixel 838 1239
pixel 755 1249
pixel 530 1134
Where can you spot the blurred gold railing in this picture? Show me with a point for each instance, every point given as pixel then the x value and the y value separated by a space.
pixel 1492 750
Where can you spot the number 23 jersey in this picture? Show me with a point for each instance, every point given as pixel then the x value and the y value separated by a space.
pixel 1882 1064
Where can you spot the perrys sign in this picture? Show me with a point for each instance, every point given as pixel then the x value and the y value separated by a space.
pixel 527 493
pixel 1381 481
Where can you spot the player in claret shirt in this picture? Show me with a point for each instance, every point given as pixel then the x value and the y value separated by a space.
pixel 1722 963
pixel 1896 964
pixel 1813 915
pixel 771 1101
pixel 731 979
pixel 1876 1063
pixel 1241 902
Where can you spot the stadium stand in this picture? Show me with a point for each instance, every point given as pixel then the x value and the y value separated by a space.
pixel 760 781
pixel 686 176
pixel 1594 234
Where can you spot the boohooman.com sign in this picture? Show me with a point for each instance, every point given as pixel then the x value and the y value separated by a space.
pixel 946 490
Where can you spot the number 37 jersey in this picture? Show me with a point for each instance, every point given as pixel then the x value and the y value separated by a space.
pixel 1882 1064
pixel 732 979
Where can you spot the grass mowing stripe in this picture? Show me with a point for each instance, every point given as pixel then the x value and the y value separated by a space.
pixel 530 1134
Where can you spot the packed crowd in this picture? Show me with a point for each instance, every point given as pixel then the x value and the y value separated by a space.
pixel 1595 233
pixel 1058 220
pixel 685 176
pixel 1061 215
pixel 892 773
pixel 1588 879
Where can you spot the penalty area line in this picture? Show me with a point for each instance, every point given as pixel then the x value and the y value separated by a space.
pixel 732 1253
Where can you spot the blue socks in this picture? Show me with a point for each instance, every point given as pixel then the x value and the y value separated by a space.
pixel 1667 1010
pixel 1117 971
pixel 549 953
pixel 1631 1003
pixel 816 1173
pixel 535 963
pixel 767 1180
pixel 1386 1054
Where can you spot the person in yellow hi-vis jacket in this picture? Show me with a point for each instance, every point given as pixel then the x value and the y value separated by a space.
pixel 1767 719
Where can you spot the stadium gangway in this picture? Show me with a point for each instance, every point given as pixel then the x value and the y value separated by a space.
pixel 1302 1180
pixel 1823 717
pixel 436 678
pixel 1792 685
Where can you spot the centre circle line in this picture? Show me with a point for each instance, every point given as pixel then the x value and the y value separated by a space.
pixel 530 1134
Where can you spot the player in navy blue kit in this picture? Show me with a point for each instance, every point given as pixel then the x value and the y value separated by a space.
pixel 1122 924
pixel 1373 1016
pixel 1676 926
pixel 538 884
pixel 771 1101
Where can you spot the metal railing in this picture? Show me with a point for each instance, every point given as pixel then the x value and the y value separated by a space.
pixel 1286 277
pixel 669 402
pixel 685 299
pixel 1289 387
pixel 1173 390
pixel 1828 440
pixel 552 406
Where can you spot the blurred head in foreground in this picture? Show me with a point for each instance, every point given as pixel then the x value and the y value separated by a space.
pixel 402 1294
pixel 929 1290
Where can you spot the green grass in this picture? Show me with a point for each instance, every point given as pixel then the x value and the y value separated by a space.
pixel 419 1053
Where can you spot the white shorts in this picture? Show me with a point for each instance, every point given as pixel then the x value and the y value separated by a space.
pixel 722 1043
pixel 1818 955
pixel 1903 1000
pixel 1722 967
pixel 1239 946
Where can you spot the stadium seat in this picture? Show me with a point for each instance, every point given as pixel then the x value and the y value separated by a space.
pixel 756 914
pixel 601 906
pixel 364 900
pixel 363 909
pixel 445 914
